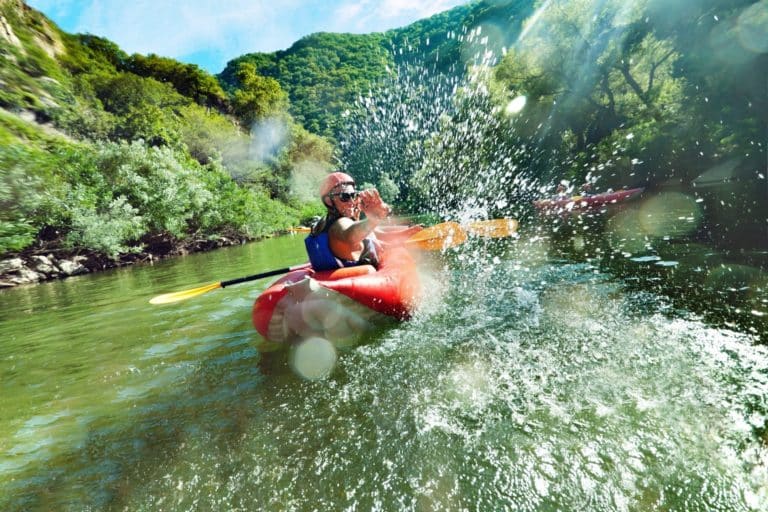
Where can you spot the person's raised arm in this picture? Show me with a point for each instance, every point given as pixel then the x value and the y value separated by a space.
pixel 352 232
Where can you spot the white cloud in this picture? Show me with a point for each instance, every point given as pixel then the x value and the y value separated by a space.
pixel 379 15
pixel 348 12
pixel 173 28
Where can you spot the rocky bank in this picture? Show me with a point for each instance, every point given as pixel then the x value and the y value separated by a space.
pixel 30 268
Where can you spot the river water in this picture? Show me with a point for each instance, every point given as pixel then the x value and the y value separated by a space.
pixel 525 382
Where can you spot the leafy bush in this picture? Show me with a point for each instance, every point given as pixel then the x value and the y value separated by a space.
pixel 16 201
pixel 187 79
pixel 160 183
pixel 112 195
pixel 84 120
pixel 23 173
pixel 144 107
pixel 86 53
pixel 106 230
pixel 209 136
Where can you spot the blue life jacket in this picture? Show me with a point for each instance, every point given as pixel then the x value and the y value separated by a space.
pixel 320 255
pixel 322 258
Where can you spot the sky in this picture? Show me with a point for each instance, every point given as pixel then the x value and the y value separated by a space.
pixel 209 33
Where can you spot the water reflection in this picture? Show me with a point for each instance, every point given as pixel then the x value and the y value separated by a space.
pixel 661 244
pixel 95 379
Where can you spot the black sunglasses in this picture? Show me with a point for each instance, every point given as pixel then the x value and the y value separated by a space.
pixel 345 197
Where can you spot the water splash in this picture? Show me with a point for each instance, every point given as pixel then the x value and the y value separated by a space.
pixel 521 397
pixel 436 135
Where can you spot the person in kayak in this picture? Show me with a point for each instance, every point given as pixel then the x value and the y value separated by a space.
pixel 342 238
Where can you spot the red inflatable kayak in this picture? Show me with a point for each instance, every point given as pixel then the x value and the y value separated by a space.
pixel 337 305
pixel 577 204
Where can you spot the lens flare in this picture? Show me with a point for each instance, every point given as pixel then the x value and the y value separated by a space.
pixel 752 27
pixel 516 105
pixel 625 233
pixel 667 216
pixel 670 214
pixel 314 358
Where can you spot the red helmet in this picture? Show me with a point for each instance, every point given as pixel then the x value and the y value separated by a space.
pixel 333 180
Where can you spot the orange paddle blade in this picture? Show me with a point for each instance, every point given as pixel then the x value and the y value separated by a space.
pixel 167 298
pixel 438 237
pixel 495 228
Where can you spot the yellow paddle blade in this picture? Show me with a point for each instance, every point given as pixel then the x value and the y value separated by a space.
pixel 438 237
pixel 299 229
pixel 495 228
pixel 167 298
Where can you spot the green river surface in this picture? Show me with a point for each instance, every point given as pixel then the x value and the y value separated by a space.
pixel 524 383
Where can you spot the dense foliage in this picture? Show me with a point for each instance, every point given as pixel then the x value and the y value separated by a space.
pixel 117 197
pixel 322 73
pixel 654 94
pixel 113 153
pixel 488 103
pixel 326 74
pixel 670 97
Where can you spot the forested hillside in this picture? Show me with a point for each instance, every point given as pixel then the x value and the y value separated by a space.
pixel 665 95
pixel 669 96
pixel 120 156
pixel 325 74
pixel 486 105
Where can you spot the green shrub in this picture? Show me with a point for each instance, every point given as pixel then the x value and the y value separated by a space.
pixel 187 79
pixel 309 211
pixel 208 135
pixel 21 189
pixel 113 194
pixel 16 235
pixel 108 230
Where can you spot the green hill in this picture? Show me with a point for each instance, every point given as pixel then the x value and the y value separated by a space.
pixel 324 74
pixel 116 155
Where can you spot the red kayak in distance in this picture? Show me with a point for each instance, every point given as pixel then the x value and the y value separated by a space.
pixel 585 203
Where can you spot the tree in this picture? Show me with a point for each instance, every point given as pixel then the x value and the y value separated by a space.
pixel 592 72
pixel 143 106
pixel 187 79
pixel 257 96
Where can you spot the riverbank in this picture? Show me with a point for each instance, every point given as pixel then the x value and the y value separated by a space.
pixel 40 264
